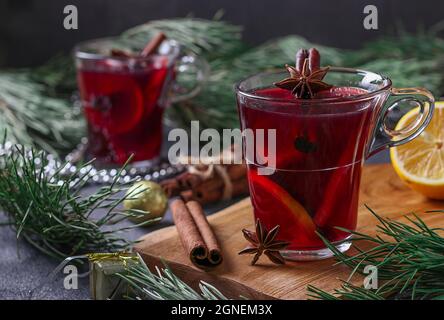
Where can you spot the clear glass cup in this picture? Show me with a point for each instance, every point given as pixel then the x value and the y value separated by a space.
pixel 321 146
pixel 124 98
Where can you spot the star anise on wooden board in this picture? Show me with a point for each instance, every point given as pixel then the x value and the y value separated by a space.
pixel 306 81
pixel 263 242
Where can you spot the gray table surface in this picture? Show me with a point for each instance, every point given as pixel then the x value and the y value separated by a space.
pixel 22 268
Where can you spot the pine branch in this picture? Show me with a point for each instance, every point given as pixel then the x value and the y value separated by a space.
pixel 411 72
pixel 410 262
pixel 33 118
pixel 212 39
pixel 422 45
pixel 165 285
pixel 48 212
pixel 58 76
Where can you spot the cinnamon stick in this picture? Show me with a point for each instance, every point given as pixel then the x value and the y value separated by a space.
pixel 189 181
pixel 117 53
pixel 171 187
pixel 188 195
pixel 208 185
pixel 188 232
pixel 240 187
pixel 195 233
pixel 154 43
pixel 237 171
pixel 208 189
pixel 301 55
pixel 207 194
pixel 314 60
pixel 214 252
pixel 150 48
pixel 182 182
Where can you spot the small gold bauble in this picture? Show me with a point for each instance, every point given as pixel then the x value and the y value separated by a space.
pixel 147 196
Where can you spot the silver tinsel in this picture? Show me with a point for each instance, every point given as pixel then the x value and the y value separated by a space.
pixel 58 170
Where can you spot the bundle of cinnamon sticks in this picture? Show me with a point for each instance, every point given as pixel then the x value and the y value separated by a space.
pixel 209 183
pixel 195 233
pixel 199 185
pixel 202 184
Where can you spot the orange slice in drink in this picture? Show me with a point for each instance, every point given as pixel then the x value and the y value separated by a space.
pixel 277 205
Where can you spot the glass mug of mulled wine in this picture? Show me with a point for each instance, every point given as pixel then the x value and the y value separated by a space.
pixel 124 96
pixel 321 145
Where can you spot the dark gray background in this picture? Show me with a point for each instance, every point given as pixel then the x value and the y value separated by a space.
pixel 32 30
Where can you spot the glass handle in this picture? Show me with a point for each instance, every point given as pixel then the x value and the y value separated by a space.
pixel 423 101
pixel 194 70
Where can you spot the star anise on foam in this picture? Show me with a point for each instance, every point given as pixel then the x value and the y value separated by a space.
pixel 305 83
pixel 263 242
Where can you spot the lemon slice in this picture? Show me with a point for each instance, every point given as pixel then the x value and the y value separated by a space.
pixel 420 162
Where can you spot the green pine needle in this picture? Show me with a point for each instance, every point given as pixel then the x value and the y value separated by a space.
pixel 409 259
pixel 32 118
pixel 165 285
pixel 53 217
pixel 213 39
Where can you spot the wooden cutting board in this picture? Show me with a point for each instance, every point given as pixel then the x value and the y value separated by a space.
pixel 381 189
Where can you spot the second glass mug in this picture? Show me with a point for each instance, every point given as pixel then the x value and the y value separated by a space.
pixel 124 98
pixel 321 145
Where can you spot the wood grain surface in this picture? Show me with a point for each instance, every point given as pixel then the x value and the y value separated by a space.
pixel 381 189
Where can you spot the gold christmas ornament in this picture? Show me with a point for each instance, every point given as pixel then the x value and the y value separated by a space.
pixel 147 196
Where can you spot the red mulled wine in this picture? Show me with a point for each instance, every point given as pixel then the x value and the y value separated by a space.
pixel 318 168
pixel 124 109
